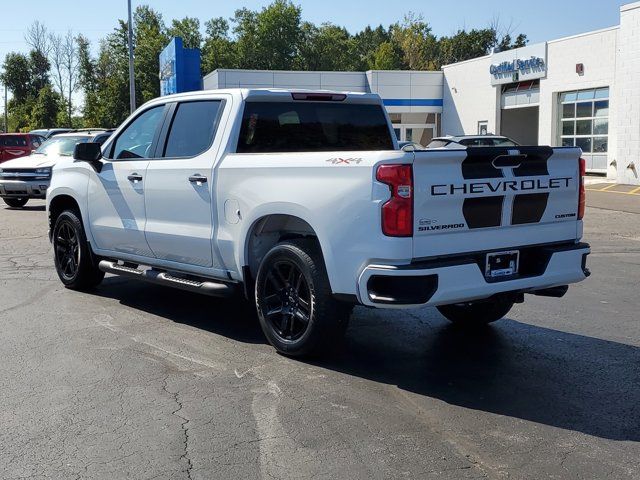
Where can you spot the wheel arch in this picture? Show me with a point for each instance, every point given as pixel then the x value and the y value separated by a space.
pixel 269 229
pixel 61 202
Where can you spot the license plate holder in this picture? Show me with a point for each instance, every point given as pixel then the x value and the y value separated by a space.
pixel 502 264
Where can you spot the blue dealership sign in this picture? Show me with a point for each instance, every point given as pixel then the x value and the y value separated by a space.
pixel 179 68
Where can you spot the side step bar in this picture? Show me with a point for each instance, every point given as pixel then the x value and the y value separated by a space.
pixel 206 287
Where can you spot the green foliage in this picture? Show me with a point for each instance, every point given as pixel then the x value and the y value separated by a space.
pixel 218 50
pixel 418 45
pixel 327 47
pixel 268 39
pixel 34 104
pixel 188 29
pixel 17 76
pixel 45 110
pixel 150 38
pixel 365 45
pixel 386 57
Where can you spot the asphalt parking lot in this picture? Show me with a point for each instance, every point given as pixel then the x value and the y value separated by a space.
pixel 140 381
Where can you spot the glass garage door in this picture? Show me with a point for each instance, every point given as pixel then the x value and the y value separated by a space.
pixel 584 123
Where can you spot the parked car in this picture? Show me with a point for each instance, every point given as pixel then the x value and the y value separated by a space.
pixel 302 202
pixel 29 177
pixel 471 141
pixel 50 132
pixel 16 145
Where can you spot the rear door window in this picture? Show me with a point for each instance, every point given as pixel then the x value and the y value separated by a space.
pixel 192 128
pixel 503 142
pixel 13 141
pixel 438 143
pixel 269 127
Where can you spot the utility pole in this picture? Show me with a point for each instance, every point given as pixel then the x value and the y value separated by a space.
pixel 132 81
pixel 6 115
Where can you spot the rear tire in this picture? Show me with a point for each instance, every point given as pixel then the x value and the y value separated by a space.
pixel 16 202
pixel 297 311
pixel 470 314
pixel 75 263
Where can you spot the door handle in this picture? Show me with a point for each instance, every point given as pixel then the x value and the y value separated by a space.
pixel 197 178
pixel 135 178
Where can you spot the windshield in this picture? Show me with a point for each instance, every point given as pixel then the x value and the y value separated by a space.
pixel 61 145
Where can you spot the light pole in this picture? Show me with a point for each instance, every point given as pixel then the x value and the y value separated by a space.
pixel 6 115
pixel 132 81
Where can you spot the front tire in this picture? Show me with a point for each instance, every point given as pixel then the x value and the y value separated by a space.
pixel 74 261
pixel 295 305
pixel 16 202
pixel 473 314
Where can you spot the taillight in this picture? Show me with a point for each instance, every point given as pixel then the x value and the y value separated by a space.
pixel 397 212
pixel 581 196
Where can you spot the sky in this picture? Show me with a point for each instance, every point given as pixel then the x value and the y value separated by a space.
pixel 540 20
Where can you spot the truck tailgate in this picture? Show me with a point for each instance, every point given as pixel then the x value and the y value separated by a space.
pixel 488 198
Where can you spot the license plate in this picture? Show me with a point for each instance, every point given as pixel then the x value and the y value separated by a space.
pixel 502 264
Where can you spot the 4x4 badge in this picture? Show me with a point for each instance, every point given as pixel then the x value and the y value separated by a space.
pixel 348 161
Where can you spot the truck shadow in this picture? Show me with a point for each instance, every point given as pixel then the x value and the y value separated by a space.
pixel 230 318
pixel 26 208
pixel 546 376
pixel 523 371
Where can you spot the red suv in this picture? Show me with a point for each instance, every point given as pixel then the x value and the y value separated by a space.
pixel 14 145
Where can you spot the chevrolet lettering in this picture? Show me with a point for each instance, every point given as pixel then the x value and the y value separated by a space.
pixel 501 186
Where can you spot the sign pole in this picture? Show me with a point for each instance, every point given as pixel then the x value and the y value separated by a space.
pixel 6 116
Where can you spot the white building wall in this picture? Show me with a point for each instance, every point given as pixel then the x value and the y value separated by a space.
pixel 343 81
pixel 469 97
pixel 596 51
pixel 627 95
pixel 408 91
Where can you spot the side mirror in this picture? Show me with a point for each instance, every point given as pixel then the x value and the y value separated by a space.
pixel 89 152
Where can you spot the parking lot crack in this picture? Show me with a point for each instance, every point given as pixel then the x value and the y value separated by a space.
pixel 184 425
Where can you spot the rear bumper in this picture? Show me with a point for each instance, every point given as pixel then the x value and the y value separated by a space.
pixel 460 278
pixel 24 188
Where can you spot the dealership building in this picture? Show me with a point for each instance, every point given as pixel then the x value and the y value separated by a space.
pixel 582 90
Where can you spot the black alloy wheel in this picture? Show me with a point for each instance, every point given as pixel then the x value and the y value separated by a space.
pixel 67 250
pixel 287 298
pixel 76 265
pixel 296 308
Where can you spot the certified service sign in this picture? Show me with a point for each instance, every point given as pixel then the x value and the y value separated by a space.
pixel 520 64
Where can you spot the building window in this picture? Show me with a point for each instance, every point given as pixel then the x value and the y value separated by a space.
pixel 584 120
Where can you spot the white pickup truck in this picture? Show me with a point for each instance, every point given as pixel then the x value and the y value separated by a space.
pixel 303 203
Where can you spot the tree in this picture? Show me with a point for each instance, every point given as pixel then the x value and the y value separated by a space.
pixel 188 29
pixel 105 79
pixel 416 42
pixel 44 113
pixel 328 47
pixel 27 77
pixel 37 37
pixel 386 57
pixel 268 39
pixel 150 38
pixel 365 45
pixel 17 75
pixel 218 50
pixel 64 61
